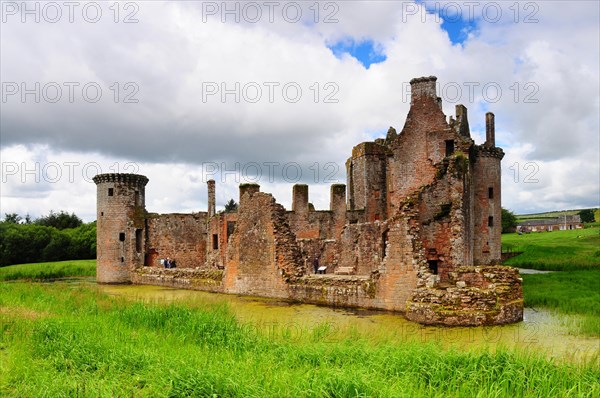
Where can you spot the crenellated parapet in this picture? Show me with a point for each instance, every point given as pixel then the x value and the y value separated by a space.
pixel 490 152
pixel 121 178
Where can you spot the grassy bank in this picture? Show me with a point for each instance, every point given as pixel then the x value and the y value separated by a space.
pixel 555 251
pixel 576 292
pixel 72 340
pixel 52 270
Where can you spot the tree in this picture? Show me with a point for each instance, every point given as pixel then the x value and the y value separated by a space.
pixel 231 206
pixel 31 243
pixel 586 215
pixel 509 221
pixel 12 218
pixel 60 220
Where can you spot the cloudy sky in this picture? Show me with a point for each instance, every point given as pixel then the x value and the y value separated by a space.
pixel 279 93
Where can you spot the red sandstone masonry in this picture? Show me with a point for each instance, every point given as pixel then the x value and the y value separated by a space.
pixel 415 230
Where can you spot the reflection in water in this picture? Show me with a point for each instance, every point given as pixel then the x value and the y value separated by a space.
pixel 541 331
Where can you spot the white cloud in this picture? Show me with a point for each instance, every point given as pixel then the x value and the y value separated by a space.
pixel 171 55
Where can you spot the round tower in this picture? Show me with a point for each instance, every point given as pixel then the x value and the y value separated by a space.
pixel 487 247
pixel 120 236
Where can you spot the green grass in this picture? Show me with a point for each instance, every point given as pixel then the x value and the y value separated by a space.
pixel 63 340
pixel 556 251
pixel 576 292
pixel 45 271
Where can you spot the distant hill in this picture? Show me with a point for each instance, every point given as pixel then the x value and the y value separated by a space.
pixel 547 215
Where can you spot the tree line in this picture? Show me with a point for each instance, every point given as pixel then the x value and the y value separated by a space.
pixel 54 237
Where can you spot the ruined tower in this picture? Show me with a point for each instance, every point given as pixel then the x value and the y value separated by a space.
pixel 120 218
pixel 487 212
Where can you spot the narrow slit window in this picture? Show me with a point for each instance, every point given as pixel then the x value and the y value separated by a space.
pixel 449 147
pixel 111 191
pixel 215 242
pixel 490 221
pixel 122 236
pixel 384 238
pixel 138 240
pixel 490 193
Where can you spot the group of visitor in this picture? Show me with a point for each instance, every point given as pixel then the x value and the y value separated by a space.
pixel 168 263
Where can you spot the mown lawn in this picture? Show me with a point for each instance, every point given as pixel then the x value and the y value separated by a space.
pixel 555 251
pixel 66 340
pixel 52 270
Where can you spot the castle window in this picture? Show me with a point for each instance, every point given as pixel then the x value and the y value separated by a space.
pixel 490 193
pixel 433 266
pixel 230 228
pixel 136 196
pixel 111 191
pixel 449 147
pixel 215 242
pixel 138 240
pixel 490 221
pixel 384 238
pixel 122 236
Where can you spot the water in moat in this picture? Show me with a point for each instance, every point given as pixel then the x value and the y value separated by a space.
pixel 542 331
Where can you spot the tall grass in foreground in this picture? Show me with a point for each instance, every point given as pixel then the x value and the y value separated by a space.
pixel 51 270
pixel 62 341
pixel 576 292
pixel 555 251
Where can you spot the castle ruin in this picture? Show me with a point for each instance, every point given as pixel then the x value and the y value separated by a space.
pixel 415 230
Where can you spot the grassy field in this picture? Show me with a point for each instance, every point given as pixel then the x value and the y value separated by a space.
pixel 547 215
pixel 52 270
pixel 557 250
pixel 47 271
pixel 64 340
pixel 575 292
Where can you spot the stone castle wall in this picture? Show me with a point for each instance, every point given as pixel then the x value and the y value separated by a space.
pixel 178 236
pixel 416 230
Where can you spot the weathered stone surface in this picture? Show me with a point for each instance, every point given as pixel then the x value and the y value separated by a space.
pixel 488 295
pixel 415 230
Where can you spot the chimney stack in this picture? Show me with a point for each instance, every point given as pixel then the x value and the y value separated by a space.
pixel 300 198
pixel 251 189
pixel 337 199
pixel 490 130
pixel 423 87
pixel 211 198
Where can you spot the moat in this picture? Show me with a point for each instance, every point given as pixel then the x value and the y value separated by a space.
pixel 542 331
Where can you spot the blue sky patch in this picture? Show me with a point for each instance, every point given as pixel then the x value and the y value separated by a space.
pixel 365 51
pixel 458 30
pixel 458 21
